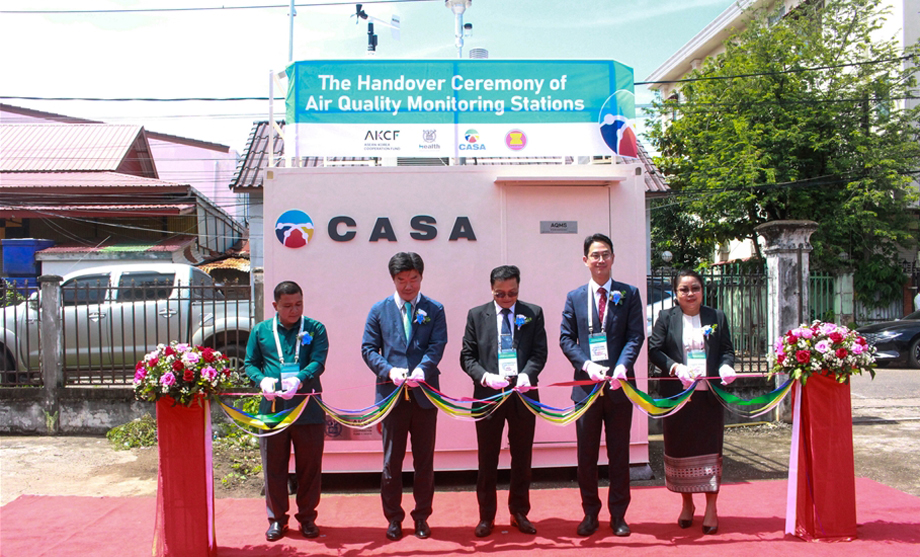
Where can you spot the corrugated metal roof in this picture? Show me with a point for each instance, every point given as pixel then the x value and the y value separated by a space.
pixel 80 180
pixel 249 172
pixel 170 245
pixel 74 147
pixel 236 263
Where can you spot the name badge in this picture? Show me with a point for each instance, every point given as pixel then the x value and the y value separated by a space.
pixel 696 360
pixel 597 345
pixel 289 370
pixel 507 363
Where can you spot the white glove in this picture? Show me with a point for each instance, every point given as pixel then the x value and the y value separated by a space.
pixel 619 372
pixel 727 373
pixel 686 375
pixel 596 371
pixel 268 388
pixel 398 375
pixel 523 383
pixel 417 376
pixel 494 381
pixel 290 387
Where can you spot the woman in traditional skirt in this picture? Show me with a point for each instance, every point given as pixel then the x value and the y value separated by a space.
pixel 693 343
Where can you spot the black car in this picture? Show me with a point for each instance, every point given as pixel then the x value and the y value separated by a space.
pixel 895 341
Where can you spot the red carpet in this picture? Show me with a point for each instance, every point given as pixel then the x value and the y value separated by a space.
pixel 751 522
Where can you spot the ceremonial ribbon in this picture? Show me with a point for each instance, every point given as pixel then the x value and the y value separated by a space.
pixel 656 408
pixel 366 417
pixel 273 423
pixel 768 401
pixel 449 405
pixel 562 416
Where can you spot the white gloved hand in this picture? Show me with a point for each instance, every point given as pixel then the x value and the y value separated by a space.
pixel 619 372
pixel 523 383
pixel 494 381
pixel 289 386
pixel 727 373
pixel 597 372
pixel 686 375
pixel 417 376
pixel 398 375
pixel 268 388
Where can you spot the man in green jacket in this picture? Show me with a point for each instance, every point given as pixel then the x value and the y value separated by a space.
pixel 285 356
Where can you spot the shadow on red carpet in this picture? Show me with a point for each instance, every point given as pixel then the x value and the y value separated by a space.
pixel 751 520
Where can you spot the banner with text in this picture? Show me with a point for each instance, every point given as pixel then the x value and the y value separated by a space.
pixel 460 108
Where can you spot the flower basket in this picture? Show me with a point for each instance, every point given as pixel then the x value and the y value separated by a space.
pixel 181 372
pixel 821 493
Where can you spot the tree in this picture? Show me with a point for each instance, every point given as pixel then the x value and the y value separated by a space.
pixel 802 117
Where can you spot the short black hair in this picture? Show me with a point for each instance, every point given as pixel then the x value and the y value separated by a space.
pixel 505 272
pixel 287 287
pixel 597 237
pixel 690 273
pixel 406 261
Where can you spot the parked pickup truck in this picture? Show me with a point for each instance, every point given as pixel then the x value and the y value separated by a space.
pixel 113 315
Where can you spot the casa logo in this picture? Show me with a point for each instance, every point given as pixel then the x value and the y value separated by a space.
pixel 515 140
pixel 472 141
pixel 294 229
pixel 381 135
pixel 615 128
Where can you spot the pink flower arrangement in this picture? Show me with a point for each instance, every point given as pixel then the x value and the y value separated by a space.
pixel 183 372
pixel 823 348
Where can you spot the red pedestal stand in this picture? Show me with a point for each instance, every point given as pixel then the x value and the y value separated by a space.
pixel 825 483
pixel 185 481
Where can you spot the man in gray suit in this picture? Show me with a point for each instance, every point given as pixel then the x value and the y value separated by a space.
pixel 404 339
pixel 504 346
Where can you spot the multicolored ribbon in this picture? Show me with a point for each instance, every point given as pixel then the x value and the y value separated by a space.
pixel 450 406
pixel 656 407
pixel 562 416
pixel 766 402
pixel 365 417
pixel 273 423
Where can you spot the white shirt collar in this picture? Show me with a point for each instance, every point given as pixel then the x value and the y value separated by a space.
pixel 607 285
pixel 400 302
pixel 498 308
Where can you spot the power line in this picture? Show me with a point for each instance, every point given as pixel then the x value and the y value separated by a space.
pixel 200 8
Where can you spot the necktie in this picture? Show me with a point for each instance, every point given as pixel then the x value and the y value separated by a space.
pixel 407 319
pixel 602 305
pixel 506 329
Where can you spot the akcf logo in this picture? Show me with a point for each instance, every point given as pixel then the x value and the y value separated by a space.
pixel 381 135
pixel 294 229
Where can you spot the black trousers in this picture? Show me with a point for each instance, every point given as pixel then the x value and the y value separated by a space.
pixel 308 441
pixel 613 412
pixel 521 423
pixel 405 419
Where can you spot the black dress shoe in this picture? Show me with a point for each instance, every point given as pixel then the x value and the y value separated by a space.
pixel 588 526
pixel 710 529
pixel 394 531
pixel 422 530
pixel 275 531
pixel 309 529
pixel 484 528
pixel 520 521
pixel 685 522
pixel 619 526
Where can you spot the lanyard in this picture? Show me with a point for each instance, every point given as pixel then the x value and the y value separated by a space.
pixel 278 340
pixel 591 308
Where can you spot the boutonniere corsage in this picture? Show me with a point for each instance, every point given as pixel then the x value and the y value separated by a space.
pixel 616 297
pixel 304 338
pixel 520 320
pixel 708 330
pixel 421 317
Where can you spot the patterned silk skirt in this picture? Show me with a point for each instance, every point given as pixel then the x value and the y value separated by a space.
pixel 693 446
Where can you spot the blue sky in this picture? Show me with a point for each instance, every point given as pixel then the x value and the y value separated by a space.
pixel 229 53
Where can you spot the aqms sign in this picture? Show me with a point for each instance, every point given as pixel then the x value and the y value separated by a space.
pixel 364 108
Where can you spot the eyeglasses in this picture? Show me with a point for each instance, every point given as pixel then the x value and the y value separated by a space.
pixel 502 295
pixel 599 256
pixel 684 290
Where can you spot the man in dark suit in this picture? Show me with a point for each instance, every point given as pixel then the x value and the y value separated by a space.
pixel 285 356
pixel 404 339
pixel 515 330
pixel 603 326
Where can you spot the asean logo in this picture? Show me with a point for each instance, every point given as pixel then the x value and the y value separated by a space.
pixel 294 229
pixel 516 140
pixel 471 136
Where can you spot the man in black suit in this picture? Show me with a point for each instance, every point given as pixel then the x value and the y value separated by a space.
pixel 404 340
pixel 504 345
pixel 603 326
